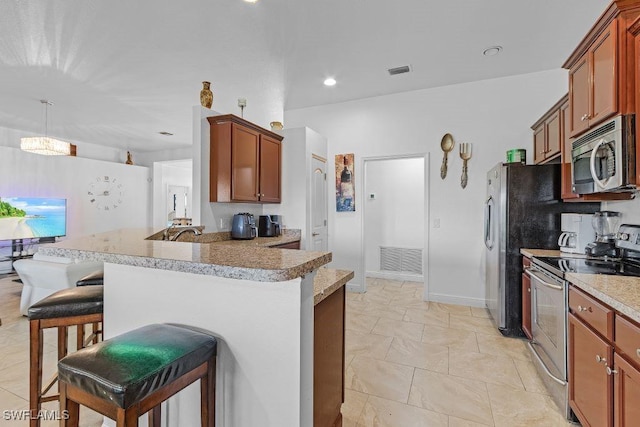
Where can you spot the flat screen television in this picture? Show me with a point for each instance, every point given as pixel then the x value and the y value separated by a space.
pixel 32 218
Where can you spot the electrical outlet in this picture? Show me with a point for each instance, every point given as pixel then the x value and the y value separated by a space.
pixel 436 223
pixel 225 224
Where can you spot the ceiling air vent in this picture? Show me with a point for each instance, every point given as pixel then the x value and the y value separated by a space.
pixel 399 70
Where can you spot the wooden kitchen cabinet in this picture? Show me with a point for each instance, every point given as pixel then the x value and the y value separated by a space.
pixel 626 393
pixel 634 30
pixel 590 387
pixel 245 162
pixel 547 134
pixel 290 245
pixel 601 69
pixel 328 360
pixel 604 368
pixel 526 299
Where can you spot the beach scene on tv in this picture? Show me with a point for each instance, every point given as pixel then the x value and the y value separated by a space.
pixel 29 217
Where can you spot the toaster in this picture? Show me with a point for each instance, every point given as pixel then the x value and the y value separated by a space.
pixel 243 227
pixel 269 225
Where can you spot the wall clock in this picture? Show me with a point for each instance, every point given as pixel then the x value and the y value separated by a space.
pixel 106 193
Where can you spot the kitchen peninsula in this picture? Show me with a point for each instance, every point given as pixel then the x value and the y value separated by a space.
pixel 258 301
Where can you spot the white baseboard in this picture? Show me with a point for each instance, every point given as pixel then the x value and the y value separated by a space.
pixel 355 287
pixel 456 300
pixel 393 275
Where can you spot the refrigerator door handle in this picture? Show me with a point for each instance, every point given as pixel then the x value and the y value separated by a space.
pixel 488 223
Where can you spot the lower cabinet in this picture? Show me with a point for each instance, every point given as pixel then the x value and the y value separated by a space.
pixel 604 371
pixel 590 388
pixel 328 360
pixel 290 245
pixel 627 393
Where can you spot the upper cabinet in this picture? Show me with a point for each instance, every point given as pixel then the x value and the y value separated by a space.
pixel 547 134
pixel 601 69
pixel 634 29
pixel 245 161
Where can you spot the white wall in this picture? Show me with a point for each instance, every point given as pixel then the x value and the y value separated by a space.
pixel 298 147
pixel 31 175
pixel 394 217
pixel 11 138
pixel 630 210
pixel 494 115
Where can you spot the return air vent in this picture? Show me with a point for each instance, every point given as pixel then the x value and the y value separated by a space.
pixel 401 259
pixel 399 70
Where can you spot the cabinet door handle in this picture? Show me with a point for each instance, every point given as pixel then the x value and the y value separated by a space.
pixel 317 234
pixel 581 309
pixel 600 359
pixel 585 117
pixel 638 352
pixel 611 371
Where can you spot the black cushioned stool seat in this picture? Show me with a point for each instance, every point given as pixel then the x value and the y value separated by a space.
pixel 68 307
pixel 76 301
pixel 133 373
pixel 92 279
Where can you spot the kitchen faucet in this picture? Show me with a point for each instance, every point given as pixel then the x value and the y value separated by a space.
pixel 184 230
pixel 165 234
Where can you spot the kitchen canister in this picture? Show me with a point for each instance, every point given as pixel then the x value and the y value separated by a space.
pixel 517 155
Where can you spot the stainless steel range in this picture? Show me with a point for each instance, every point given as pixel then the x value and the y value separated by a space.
pixel 549 305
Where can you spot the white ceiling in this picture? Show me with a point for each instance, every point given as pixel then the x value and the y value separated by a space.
pixel 120 71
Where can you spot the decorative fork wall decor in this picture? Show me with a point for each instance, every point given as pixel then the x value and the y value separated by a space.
pixel 465 155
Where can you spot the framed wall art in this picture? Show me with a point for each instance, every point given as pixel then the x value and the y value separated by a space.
pixel 345 183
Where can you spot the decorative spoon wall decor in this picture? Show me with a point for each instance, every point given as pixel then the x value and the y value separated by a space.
pixel 465 155
pixel 446 144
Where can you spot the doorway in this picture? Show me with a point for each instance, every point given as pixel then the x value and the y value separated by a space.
pixel 395 219
pixel 319 233
pixel 172 191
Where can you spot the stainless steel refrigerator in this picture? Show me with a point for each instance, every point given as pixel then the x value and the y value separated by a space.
pixel 522 210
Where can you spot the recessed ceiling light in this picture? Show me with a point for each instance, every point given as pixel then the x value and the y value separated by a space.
pixel 492 51
pixel 251 1
pixel 165 133
pixel 330 81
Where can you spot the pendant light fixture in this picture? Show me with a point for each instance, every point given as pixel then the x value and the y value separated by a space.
pixel 44 144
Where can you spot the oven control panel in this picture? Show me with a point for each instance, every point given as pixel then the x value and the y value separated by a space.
pixel 629 237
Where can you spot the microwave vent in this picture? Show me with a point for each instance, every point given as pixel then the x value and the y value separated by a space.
pixel 602 130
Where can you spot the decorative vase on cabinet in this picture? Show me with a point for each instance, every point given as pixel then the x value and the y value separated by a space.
pixel 206 96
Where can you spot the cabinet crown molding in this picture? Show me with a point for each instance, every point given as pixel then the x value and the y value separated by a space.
pixel 215 120
pixel 627 8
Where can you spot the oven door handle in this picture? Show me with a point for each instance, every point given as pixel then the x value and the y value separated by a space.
pixel 531 271
pixel 546 370
pixel 592 165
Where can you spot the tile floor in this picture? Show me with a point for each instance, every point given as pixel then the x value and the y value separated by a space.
pixel 408 363
pixel 411 363
pixel 14 360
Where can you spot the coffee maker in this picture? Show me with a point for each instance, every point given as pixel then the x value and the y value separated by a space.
pixel 605 224
pixel 577 232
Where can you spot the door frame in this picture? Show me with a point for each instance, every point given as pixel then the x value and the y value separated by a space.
pixel 309 239
pixel 425 252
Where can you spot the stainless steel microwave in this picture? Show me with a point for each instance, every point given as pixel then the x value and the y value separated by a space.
pixel 604 159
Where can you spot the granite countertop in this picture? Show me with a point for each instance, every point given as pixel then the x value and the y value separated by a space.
pixel 327 281
pixel 549 253
pixel 236 261
pixel 620 292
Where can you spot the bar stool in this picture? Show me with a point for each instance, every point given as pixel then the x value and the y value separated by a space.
pixel 132 374
pixel 92 279
pixel 69 307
